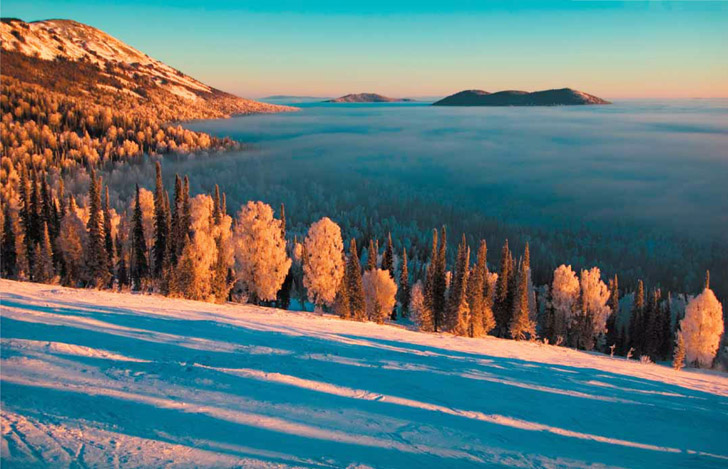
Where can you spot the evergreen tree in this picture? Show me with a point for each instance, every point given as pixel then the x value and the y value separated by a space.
pixel 357 304
pixel 429 287
pixel 372 256
pixel 220 286
pixel 612 333
pixel 440 282
pixel 61 196
pixel 481 298
pixel 186 229
pixel 502 304
pixel 521 326
pixel 636 322
pixel 8 254
pixel 342 303
pixel 283 221
pixel 458 289
pixel 653 325
pixel 160 225
pixel 216 211
pixel 388 257
pixel 707 279
pixel 43 272
pixel 404 288
pixel 175 242
pixel 666 337
pixel 108 239
pixel 122 273
pixel 678 360
pixel 139 266
pixel 96 255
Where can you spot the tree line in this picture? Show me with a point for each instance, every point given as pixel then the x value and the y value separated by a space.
pixel 190 247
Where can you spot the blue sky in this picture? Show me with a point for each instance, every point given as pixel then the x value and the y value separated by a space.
pixel 612 49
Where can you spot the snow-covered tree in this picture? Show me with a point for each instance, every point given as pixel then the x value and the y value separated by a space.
pixel 678 360
pixel 260 251
pixel 71 243
pixel 380 294
pixel 419 312
pixel 323 265
pixel 564 299
pixel 591 320
pixel 701 328
pixel 43 271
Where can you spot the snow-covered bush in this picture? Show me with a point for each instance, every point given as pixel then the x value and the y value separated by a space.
pixel 701 328
pixel 379 293
pixel 323 265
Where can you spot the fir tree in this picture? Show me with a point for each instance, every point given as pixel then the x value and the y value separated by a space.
pixel 139 266
pixel 283 221
pixel 707 279
pixel 458 289
pixel 96 255
pixel 636 321
pixel 666 337
pixel 372 256
pixel 220 286
pixel 612 333
pixel 678 360
pixel 388 257
pixel 429 287
pixel 160 224
pixel 502 304
pixel 521 326
pixel 122 273
pixel 440 281
pixel 357 304
pixel 175 243
pixel 8 253
pixel 43 272
pixel 342 304
pixel 61 196
pixel 108 239
pixel 216 211
pixel 404 288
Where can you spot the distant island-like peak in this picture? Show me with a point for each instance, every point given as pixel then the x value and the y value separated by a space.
pixel 367 98
pixel 559 97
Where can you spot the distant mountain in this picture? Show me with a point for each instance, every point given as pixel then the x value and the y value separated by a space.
pixel 560 97
pixel 367 98
pixel 287 96
pixel 73 58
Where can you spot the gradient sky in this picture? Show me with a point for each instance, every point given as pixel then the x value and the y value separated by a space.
pixel 421 48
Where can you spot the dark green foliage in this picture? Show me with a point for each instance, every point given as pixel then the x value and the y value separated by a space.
pixel 403 292
pixel 96 254
pixel 372 254
pixel 108 239
pixel 440 281
pixel 139 266
pixel 161 235
pixel 388 257
pixel 357 305
pixel 8 254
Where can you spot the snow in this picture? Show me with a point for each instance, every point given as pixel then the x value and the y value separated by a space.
pixel 106 379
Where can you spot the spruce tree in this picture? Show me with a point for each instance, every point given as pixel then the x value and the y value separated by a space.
pixel 482 297
pixel 388 257
pixel 429 287
pixel 43 268
pixel 440 281
pixel 521 326
pixel 216 211
pixel 342 303
pixel 404 288
pixel 220 286
pixel 636 331
pixel 139 266
pixel 372 256
pixel 283 221
pixel 612 333
pixel 96 255
pixel 122 273
pixel 160 225
pixel 460 313
pixel 357 305
pixel 666 338
pixel 108 239
pixel 175 242
pixel 502 306
pixel 678 361
pixel 61 196
pixel 8 254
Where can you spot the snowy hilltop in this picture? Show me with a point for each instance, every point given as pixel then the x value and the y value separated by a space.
pixel 94 378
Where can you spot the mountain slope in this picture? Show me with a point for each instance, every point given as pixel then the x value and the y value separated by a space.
pixel 366 98
pixel 559 97
pixel 103 59
pixel 159 382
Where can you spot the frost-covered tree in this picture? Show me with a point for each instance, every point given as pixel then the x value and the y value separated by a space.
pixel 260 251
pixel 71 243
pixel 564 300
pixel 419 311
pixel 380 294
pixel 323 265
pixel 590 322
pixel 678 360
pixel 521 326
pixel 701 328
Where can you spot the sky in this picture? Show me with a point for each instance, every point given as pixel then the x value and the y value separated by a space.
pixel 421 48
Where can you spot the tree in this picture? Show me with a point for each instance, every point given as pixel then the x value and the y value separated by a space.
pixel 521 326
pixel 160 224
pixel 701 328
pixel 8 253
pixel 404 289
pixel 502 307
pixel 481 314
pixel 260 251
pixel 388 257
pixel 439 281
pixel 97 267
pixel 565 291
pixel 108 240
pixel 323 265
pixel 678 360
pixel 429 287
pixel 636 320
pixel 420 313
pixel 175 243
pixel 139 266
pixel 459 309
pixel 372 255
pixel 43 268
pixel 342 301
pixel 591 321
pixel 380 294
pixel 355 287
pixel 612 333
pixel 283 221
pixel 71 242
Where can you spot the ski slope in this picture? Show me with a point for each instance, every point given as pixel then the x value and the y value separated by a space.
pixel 101 379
